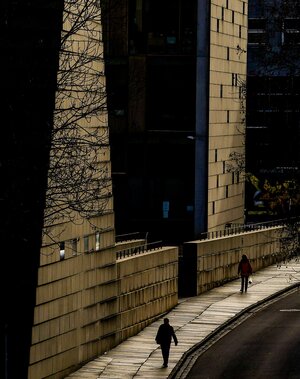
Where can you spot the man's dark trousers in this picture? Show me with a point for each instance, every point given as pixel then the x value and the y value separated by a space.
pixel 165 349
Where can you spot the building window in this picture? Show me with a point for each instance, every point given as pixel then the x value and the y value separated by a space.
pixel 97 241
pixel 237 177
pixel 222 13
pixel 221 90
pixel 227 4
pixel 218 25
pixel 244 8
pixel 224 167
pixel 232 17
pixel 86 244
pixel 256 31
pixel 227 117
pixel 228 53
pixel 232 177
pixel 240 31
pixel 232 79
pixel 216 155
pixel 62 251
pixel 291 33
pixel 217 184
pixel 213 208
pixel 226 192
pixel 162 27
pixel 74 246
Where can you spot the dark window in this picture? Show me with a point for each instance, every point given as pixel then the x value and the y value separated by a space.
pixel 162 27
pixel 171 94
pixel 256 31
pixel 291 31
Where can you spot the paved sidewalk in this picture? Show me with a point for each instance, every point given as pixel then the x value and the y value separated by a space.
pixel 193 319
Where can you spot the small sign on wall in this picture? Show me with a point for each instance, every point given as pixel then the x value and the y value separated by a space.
pixel 166 208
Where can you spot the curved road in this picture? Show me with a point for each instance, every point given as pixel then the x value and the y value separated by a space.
pixel 265 346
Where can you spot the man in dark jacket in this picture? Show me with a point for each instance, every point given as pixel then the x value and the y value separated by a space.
pixel 245 270
pixel 164 337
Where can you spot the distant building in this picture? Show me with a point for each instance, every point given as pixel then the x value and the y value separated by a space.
pixel 174 73
pixel 273 92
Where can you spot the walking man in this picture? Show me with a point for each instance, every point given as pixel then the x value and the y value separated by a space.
pixel 164 337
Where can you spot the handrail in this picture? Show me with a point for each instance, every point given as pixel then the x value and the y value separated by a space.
pixel 234 229
pixel 140 249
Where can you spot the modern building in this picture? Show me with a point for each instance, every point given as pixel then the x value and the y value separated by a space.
pixel 174 101
pixel 58 267
pixel 273 95
pixel 174 74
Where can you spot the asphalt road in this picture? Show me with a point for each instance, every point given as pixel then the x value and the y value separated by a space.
pixel 265 346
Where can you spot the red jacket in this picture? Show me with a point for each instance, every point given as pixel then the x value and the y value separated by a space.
pixel 245 268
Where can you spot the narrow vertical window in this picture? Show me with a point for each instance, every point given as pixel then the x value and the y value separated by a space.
pixel 74 246
pixel 226 192
pixel 244 8
pixel 213 207
pixel 97 241
pixel 232 17
pixel 227 117
pixel 237 177
pixel 86 243
pixel 232 177
pixel 221 90
pixel 224 167
pixel 232 79
pixel 218 25
pixel 217 184
pixel 62 251
pixel 216 155
pixel 240 31
pixel 222 13
pixel 227 4
pixel 228 53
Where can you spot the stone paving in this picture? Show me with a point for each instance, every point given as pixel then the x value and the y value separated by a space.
pixel 193 320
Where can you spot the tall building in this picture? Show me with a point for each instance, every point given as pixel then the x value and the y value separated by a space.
pixel 174 71
pixel 59 275
pixel 273 101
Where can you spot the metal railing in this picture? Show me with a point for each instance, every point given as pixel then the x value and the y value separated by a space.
pixel 131 236
pixel 233 229
pixel 140 249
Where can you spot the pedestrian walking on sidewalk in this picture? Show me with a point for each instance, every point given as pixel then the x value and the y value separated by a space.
pixel 164 337
pixel 245 270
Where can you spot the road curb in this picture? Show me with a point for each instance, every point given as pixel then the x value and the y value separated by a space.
pixel 184 365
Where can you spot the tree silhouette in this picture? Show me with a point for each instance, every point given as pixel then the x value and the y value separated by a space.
pixel 79 180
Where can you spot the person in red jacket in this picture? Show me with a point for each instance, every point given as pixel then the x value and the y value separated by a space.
pixel 163 338
pixel 245 270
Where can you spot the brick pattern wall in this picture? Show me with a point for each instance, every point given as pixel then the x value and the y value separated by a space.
pixel 147 289
pixel 228 41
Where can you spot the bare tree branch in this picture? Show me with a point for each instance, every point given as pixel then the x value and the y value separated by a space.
pixel 79 180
